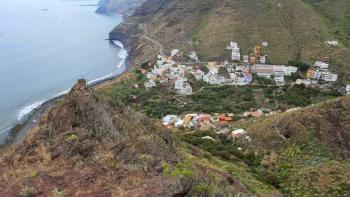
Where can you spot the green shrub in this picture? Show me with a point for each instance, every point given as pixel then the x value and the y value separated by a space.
pixel 57 193
pixel 28 191
pixel 72 138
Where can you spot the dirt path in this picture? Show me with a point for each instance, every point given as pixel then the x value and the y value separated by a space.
pixel 156 42
pixel 145 35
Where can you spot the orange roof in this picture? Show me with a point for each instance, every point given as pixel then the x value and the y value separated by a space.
pixel 224 118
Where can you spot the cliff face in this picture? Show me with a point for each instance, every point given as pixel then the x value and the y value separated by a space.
pixel 87 147
pixel 294 29
pixel 122 7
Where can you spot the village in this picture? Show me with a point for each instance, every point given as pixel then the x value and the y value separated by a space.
pixel 173 71
pixel 240 70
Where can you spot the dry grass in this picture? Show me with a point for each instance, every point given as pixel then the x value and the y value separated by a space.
pixel 43 153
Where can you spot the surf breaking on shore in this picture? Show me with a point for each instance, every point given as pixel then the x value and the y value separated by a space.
pixel 25 112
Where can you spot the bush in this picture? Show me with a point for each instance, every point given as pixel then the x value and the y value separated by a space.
pixel 72 138
pixel 57 193
pixel 28 191
pixel 302 66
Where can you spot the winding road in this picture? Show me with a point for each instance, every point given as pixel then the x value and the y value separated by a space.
pixel 145 35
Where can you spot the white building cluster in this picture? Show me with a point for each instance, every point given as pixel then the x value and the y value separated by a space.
pixel 321 72
pixel 278 72
pixel 168 71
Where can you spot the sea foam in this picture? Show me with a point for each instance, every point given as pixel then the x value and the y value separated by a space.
pixel 22 113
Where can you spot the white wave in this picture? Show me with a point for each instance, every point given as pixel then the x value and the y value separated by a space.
pixel 61 94
pixel 123 53
pixel 28 109
pixel 101 78
pixel 4 131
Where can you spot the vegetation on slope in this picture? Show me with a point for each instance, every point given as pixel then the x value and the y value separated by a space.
pixel 313 149
pixel 86 146
pixel 311 144
pixel 160 101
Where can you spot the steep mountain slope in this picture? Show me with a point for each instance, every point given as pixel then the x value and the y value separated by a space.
pixel 337 16
pixel 87 147
pixel 328 122
pixel 293 28
pixel 313 148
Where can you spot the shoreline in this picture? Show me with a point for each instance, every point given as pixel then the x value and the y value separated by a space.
pixel 20 130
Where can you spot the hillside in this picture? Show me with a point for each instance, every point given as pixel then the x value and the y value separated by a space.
pixel 88 147
pixel 304 152
pixel 313 148
pixel 295 29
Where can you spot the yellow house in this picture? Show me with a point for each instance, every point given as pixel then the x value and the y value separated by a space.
pixel 257 51
pixel 309 73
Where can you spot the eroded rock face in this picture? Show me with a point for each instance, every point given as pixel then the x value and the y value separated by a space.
pixel 82 109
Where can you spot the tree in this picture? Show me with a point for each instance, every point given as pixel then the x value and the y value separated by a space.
pixel 302 66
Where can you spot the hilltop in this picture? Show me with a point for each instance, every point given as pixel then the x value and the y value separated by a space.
pixel 295 29
pixel 87 146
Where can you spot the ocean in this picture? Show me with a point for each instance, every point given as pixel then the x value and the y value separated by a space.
pixel 45 46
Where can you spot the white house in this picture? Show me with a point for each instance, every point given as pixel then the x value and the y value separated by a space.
pixel 179 84
pixel 278 70
pixel 279 79
pixel 236 55
pixel 326 76
pixel 246 59
pixel 150 84
pixel 262 59
pixel 288 70
pixel 174 52
pixel 233 76
pixel 332 42
pixel 306 82
pixel 316 74
pixel 213 80
pixel 186 89
pixel 348 89
pixel 330 77
pixel 168 120
pixel 264 75
pixel 321 65
pixel 230 69
pixel 239 132
pixel 265 44
pixel 193 56
pixel 221 79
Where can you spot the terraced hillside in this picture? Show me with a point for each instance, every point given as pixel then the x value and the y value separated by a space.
pixel 294 29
